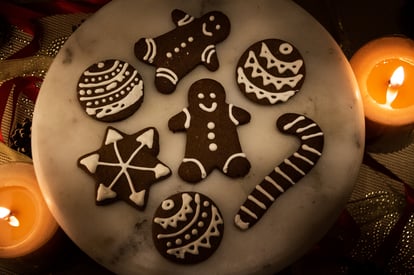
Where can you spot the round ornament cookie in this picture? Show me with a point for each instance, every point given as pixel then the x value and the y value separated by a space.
pixel 110 90
pixel 270 71
pixel 187 228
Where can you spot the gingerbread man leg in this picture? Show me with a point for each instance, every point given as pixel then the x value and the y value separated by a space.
pixel 236 166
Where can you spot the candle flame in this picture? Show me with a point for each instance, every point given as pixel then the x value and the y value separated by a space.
pixel 396 80
pixel 6 215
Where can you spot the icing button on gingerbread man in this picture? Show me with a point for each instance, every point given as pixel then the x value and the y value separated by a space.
pixel 212 139
pixel 176 53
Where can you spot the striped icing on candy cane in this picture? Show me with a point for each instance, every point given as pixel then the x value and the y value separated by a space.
pixel 288 172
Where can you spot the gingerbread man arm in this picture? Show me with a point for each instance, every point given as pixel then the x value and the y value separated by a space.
pixel 209 58
pixel 181 18
pixel 179 122
pixel 239 115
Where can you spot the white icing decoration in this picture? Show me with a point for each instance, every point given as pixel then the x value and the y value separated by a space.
pixel 232 118
pixel 205 31
pixel 212 147
pixel 264 192
pixel 241 224
pixel 181 214
pixel 190 39
pixel 203 241
pixel 285 48
pixel 107 71
pixel 226 165
pixel 112 136
pixel 260 93
pixel 146 138
pixel 300 171
pixel 300 130
pixel 211 125
pixel 211 18
pixel 151 50
pixel 167 205
pixel 312 136
pixel 185 20
pixel 247 211
pixel 277 82
pixel 200 95
pixel 138 198
pixel 104 193
pixel 118 77
pixel 208 53
pixel 199 164
pixel 291 124
pixel 187 118
pixel 211 135
pixel 210 109
pixel 257 202
pixel 310 149
pixel 188 225
pixel 274 183
pixel 299 156
pixel 284 175
pixel 90 162
pixel 168 74
pixel 281 66
pixel 112 108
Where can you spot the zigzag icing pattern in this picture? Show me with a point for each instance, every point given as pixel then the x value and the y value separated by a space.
pixel 281 66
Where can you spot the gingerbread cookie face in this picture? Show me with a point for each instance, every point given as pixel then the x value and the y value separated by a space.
pixel 270 71
pixel 212 139
pixel 187 228
pixel 125 167
pixel 110 90
pixel 176 53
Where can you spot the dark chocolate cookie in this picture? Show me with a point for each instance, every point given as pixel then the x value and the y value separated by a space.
pixel 187 228
pixel 270 71
pixel 110 90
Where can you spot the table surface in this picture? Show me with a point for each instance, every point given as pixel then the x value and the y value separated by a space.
pixel 351 23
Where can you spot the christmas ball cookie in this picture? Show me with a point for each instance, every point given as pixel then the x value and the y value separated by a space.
pixel 187 228
pixel 110 90
pixel 270 71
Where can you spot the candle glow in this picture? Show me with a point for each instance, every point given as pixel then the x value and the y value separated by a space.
pixel 396 80
pixel 6 215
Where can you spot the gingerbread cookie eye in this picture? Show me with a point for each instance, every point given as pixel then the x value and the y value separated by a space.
pixel 270 71
pixel 187 228
pixel 110 90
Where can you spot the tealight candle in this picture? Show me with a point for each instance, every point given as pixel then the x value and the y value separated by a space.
pixel 25 221
pixel 384 70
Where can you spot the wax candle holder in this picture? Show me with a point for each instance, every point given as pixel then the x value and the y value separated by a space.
pixel 384 70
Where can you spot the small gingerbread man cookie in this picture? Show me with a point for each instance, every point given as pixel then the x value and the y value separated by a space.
pixel 212 139
pixel 176 53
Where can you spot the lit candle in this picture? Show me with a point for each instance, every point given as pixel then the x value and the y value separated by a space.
pixel 25 221
pixel 384 70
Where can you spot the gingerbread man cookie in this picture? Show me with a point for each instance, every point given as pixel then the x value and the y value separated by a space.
pixel 212 139
pixel 176 53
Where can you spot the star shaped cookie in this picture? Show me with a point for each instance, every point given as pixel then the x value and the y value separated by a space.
pixel 125 167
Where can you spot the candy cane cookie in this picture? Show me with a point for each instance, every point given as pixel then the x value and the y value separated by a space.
pixel 288 172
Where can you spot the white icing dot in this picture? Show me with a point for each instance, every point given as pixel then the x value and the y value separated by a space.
pixel 187 236
pixel 106 76
pixel 167 204
pixel 86 80
pixel 200 224
pixel 204 215
pixel 206 203
pixel 116 95
pixel 211 135
pixel 93 79
pixel 111 98
pixel 127 73
pixel 218 27
pixel 103 100
pixel 178 241
pixel 169 244
pixel 82 92
pixel 211 18
pixel 122 92
pixel 96 102
pixel 176 49
pixel 89 92
pixel 200 95
pixel 101 65
pixel 88 104
pixel 211 125
pixel 285 48
pixel 128 89
pixel 169 55
pixel 190 39
pixel 183 45
pixel 113 73
pixel 212 95
pixel 194 231
pixel 100 78
pixel 212 147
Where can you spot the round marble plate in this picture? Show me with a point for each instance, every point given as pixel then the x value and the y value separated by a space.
pixel 118 236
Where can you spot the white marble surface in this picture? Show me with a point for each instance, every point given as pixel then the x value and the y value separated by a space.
pixel 119 236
